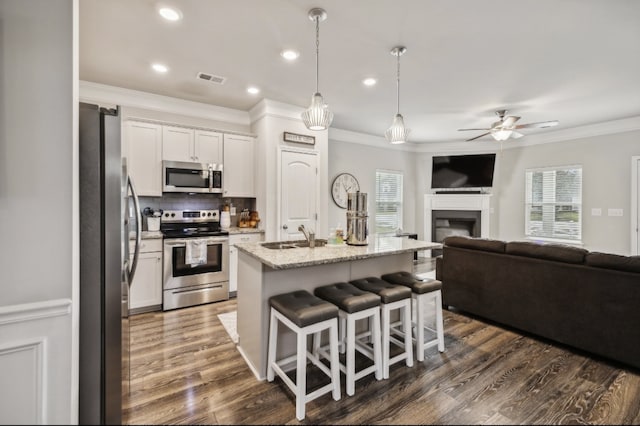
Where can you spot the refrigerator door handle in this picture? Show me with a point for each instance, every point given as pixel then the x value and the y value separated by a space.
pixel 136 252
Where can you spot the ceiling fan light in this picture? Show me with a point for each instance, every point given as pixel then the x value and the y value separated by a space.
pixel 502 134
pixel 317 116
pixel 397 133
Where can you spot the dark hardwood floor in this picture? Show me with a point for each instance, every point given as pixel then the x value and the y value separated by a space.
pixel 186 370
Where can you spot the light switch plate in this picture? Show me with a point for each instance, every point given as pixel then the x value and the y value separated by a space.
pixel 615 212
pixel 232 211
pixel 596 212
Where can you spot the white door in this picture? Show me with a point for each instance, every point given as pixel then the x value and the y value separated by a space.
pixel 299 193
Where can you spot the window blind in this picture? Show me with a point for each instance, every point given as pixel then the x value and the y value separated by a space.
pixel 388 201
pixel 554 203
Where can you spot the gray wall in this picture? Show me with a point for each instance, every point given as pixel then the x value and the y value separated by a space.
pixel 606 183
pixel 362 161
pixel 36 150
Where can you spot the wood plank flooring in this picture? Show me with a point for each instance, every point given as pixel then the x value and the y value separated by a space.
pixel 186 370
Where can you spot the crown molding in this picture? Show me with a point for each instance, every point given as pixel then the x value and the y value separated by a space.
pixel 95 92
pixel 269 107
pixel 374 141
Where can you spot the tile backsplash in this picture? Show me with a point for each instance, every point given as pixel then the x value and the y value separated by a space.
pixel 182 201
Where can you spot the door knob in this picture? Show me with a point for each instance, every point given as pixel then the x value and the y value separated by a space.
pixel 285 227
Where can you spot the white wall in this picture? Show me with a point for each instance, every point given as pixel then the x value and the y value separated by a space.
pixel 362 161
pixel 38 220
pixel 606 183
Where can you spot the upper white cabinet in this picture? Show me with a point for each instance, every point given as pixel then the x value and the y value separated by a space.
pixel 144 157
pixel 239 166
pixel 190 145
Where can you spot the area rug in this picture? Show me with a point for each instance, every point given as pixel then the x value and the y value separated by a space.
pixel 228 321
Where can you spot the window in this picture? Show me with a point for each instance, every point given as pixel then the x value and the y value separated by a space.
pixel 388 201
pixel 554 203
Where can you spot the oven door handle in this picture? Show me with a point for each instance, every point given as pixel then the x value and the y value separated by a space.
pixel 183 241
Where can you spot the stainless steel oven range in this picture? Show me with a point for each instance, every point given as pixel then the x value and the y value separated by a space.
pixel 196 258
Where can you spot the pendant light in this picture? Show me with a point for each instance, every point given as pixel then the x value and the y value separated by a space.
pixel 397 133
pixel 317 116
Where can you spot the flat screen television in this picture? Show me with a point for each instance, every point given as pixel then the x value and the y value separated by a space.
pixel 462 171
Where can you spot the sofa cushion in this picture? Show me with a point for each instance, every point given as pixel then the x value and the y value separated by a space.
pixel 548 251
pixel 483 244
pixel 613 261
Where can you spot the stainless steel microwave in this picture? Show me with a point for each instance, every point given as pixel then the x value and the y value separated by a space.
pixel 178 176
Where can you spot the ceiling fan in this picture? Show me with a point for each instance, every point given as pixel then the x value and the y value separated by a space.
pixel 505 128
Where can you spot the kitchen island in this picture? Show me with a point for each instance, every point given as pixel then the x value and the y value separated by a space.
pixel 264 272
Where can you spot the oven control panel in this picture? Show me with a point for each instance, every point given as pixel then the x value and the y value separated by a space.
pixel 188 216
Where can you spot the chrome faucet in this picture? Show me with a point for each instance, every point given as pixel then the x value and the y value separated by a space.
pixel 310 236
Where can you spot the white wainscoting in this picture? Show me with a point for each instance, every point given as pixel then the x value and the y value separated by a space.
pixel 35 363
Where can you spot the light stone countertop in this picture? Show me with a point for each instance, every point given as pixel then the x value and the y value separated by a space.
pixel 146 235
pixel 237 230
pixel 304 256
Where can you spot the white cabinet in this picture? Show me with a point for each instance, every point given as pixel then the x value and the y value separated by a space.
pixel 239 166
pixel 146 289
pixel 191 145
pixel 144 157
pixel 233 255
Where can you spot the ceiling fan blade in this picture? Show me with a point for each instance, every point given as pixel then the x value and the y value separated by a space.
pixel 516 135
pixel 539 125
pixel 510 121
pixel 460 130
pixel 472 139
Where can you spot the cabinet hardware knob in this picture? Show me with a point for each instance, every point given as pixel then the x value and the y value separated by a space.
pixel 285 227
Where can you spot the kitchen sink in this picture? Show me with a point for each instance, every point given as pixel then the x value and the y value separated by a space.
pixel 283 245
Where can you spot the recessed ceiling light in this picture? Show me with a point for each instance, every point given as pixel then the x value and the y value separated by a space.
pixel 170 14
pixel 290 55
pixel 369 81
pixel 253 90
pixel 160 68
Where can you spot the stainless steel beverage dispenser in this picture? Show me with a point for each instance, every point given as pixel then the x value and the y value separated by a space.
pixel 357 219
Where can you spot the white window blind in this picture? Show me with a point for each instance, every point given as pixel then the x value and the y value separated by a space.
pixel 554 203
pixel 388 201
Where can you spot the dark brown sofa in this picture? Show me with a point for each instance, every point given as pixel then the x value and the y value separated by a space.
pixel 587 300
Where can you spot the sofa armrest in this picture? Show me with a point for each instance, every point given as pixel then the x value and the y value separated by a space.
pixel 439 266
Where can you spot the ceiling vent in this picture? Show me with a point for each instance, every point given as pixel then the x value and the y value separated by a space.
pixel 211 78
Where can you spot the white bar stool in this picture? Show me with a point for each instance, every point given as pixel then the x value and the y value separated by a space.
pixel 354 305
pixel 423 291
pixel 304 314
pixel 392 297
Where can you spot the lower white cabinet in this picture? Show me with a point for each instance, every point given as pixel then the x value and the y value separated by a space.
pixel 233 256
pixel 146 289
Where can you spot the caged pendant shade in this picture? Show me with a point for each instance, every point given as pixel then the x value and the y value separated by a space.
pixel 397 133
pixel 317 116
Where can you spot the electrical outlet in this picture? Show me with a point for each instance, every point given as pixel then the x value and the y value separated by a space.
pixel 596 212
pixel 232 211
pixel 615 212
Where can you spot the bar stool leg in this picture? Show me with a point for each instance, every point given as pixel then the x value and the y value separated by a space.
pixel 351 355
pixel 420 307
pixel 408 342
pixel 273 344
pixel 301 376
pixel 385 342
pixel 335 361
pixel 377 353
pixel 439 321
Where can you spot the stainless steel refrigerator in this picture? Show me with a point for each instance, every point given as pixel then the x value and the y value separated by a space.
pixel 105 271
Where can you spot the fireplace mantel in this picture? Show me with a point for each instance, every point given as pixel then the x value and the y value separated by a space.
pixel 474 202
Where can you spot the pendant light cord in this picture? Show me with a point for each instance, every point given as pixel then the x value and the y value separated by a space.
pixel 317 50
pixel 398 82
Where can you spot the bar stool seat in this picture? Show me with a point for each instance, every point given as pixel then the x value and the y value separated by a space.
pixel 393 297
pixel 355 304
pixel 304 314
pixel 423 291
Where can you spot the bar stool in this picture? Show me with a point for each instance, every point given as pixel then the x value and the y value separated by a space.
pixel 304 314
pixel 422 292
pixel 393 297
pixel 355 304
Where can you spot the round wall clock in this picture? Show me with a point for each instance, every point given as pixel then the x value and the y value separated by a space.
pixel 343 184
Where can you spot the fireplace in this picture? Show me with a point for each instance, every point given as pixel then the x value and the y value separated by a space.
pixel 455 214
pixel 445 223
